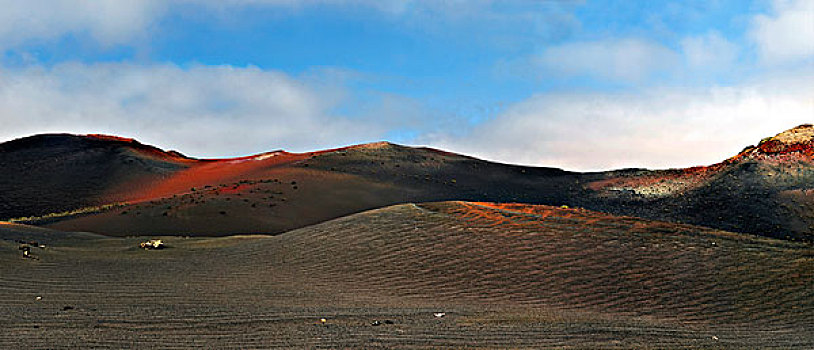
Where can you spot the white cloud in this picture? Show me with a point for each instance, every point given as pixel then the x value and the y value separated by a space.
pixel 202 110
pixel 107 21
pixel 710 50
pixel 627 59
pixel 660 128
pixel 788 34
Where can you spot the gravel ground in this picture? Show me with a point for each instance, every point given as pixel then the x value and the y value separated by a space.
pixel 505 276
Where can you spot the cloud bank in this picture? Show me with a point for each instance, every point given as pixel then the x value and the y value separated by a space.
pixel 203 110
pixel 662 128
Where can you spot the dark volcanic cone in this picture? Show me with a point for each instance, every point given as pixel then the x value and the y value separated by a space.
pixel 57 172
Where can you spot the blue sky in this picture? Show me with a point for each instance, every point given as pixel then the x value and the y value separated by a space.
pixel 583 85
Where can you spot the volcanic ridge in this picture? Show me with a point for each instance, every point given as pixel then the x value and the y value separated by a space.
pixel 118 186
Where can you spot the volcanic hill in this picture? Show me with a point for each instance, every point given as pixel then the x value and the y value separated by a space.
pixel 765 190
pixel 387 246
pixel 118 186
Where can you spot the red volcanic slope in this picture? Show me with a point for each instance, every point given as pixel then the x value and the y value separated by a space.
pixel 204 172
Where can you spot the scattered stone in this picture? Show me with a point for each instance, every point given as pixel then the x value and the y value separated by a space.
pixel 439 314
pixel 26 249
pixel 38 298
pixel 376 323
pixel 152 244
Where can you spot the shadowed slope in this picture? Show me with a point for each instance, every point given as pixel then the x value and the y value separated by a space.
pixel 59 172
pixel 507 275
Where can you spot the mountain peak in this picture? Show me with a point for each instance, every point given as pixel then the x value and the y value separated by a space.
pixel 799 139
pixel 795 142
pixel 800 134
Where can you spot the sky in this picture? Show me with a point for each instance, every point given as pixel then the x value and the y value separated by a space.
pixel 580 85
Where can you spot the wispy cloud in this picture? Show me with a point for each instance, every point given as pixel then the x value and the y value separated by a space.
pixel 710 51
pixel 628 59
pixel 115 22
pixel 107 21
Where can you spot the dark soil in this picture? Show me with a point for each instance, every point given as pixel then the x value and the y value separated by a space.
pixel 506 276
